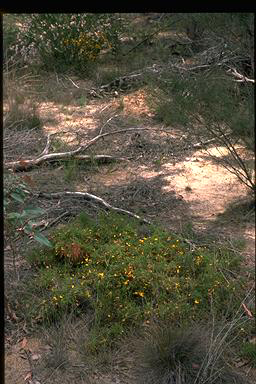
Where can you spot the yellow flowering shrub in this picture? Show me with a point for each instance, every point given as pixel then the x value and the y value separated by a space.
pixel 128 280
pixel 64 40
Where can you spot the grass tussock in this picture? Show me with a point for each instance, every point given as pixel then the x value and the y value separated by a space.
pixel 20 104
pixel 184 355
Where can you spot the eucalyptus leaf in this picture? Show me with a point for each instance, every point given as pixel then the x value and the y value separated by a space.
pixel 33 212
pixel 28 228
pixel 14 215
pixel 17 196
pixel 42 240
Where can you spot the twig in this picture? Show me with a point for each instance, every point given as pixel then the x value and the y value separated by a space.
pixel 46 150
pixel 53 222
pixel 73 82
pixel 108 121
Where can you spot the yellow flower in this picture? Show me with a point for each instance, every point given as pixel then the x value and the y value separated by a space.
pixel 141 240
pixel 139 293
pixel 197 301
pixel 101 275
pixel 126 282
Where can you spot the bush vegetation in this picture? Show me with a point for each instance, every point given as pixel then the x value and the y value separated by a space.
pixel 205 97
pixel 127 279
pixel 64 41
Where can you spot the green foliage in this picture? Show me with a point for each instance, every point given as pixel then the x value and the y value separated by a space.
pixel 248 351
pixel 211 99
pixel 69 40
pixel 18 219
pixel 70 170
pixel 10 33
pixel 216 107
pixel 127 279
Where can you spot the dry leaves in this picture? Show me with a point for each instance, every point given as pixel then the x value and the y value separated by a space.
pixel 247 311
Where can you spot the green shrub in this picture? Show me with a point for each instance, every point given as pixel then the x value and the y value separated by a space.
pixel 129 279
pixel 10 33
pixel 63 41
pixel 221 111
pixel 19 219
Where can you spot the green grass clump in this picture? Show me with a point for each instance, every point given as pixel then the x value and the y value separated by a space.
pixel 248 351
pixel 128 279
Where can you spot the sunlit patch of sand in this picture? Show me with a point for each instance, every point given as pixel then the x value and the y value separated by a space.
pixel 58 118
pixel 208 187
pixel 135 104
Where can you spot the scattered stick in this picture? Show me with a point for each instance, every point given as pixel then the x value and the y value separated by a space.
pixel 204 143
pixel 92 198
pixel 53 222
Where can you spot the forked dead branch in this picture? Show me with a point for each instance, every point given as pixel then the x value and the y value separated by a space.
pixel 76 154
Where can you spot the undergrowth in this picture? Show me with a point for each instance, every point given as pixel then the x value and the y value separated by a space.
pixel 126 279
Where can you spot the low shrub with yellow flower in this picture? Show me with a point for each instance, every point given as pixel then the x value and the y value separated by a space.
pixel 128 280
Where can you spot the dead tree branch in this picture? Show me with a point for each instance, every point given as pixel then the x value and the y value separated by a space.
pixel 25 165
pixel 241 78
pixel 92 198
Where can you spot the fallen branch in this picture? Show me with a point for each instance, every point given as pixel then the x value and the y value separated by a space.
pixel 89 197
pixel 241 78
pixel 25 165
